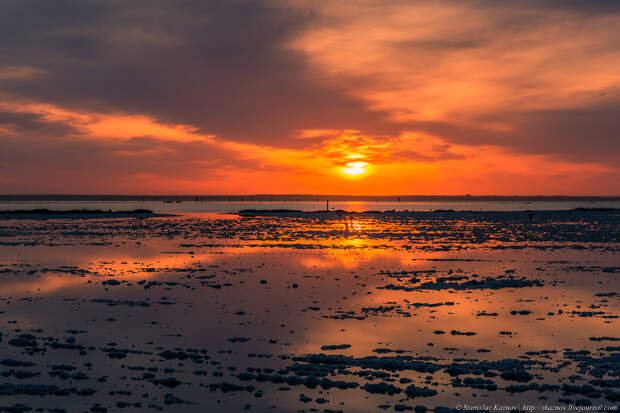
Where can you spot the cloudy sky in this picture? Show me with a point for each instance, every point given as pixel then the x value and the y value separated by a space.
pixel 339 97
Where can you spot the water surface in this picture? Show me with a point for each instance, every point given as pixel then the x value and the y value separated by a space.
pixel 206 312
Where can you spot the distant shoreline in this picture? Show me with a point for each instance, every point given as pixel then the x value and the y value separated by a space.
pixel 44 213
pixel 341 213
pixel 304 198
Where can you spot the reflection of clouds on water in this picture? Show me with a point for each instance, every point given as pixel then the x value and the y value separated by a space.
pixel 254 292
pixel 112 263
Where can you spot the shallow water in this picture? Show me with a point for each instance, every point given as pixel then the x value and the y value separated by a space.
pixel 185 207
pixel 200 313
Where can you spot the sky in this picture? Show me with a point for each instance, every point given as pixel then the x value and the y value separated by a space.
pixel 376 97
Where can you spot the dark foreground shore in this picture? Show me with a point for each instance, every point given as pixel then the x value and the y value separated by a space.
pixel 286 313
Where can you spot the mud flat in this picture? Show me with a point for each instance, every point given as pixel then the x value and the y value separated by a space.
pixel 332 214
pixel 285 311
pixel 78 214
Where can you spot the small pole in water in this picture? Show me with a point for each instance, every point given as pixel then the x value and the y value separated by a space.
pixel 327 204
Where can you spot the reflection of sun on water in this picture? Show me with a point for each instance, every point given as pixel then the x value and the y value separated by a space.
pixel 352 225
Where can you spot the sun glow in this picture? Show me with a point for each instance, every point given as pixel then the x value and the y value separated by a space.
pixel 355 169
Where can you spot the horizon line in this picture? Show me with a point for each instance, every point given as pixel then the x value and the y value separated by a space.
pixel 32 195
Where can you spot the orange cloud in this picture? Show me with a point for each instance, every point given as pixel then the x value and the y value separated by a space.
pixel 426 61
pixel 345 162
pixel 105 125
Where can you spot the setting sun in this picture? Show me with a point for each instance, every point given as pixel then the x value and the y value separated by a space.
pixel 355 169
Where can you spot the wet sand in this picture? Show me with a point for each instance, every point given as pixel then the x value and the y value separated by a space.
pixel 349 312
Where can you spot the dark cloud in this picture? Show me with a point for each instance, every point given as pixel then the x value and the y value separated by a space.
pixel 586 134
pixel 87 165
pixel 580 134
pixel 442 44
pixel 580 6
pixel 31 124
pixel 414 156
pixel 219 65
